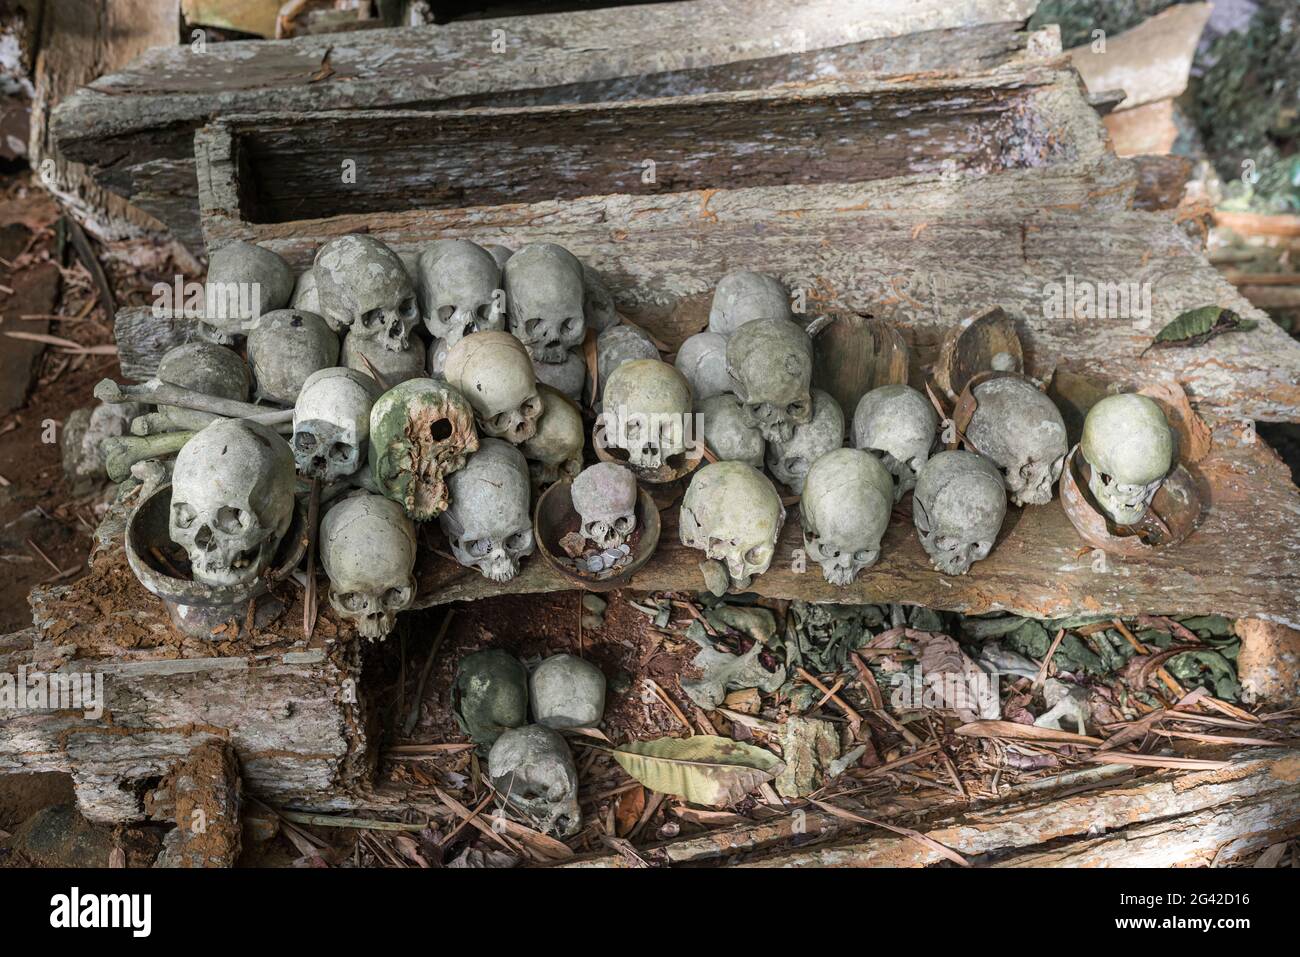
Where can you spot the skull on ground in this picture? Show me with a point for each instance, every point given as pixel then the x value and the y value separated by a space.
pixel 493 372
pixel 646 412
pixel 732 512
pixel 533 774
pixel 744 296
pixel 544 297
pixel 555 450
pixel 1020 429
pixel 284 348
pixel 460 289
pixel 790 461
pixel 331 423
pixel 957 508
pixel 729 432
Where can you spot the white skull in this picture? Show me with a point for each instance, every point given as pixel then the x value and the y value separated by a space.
pixel 533 773
pixel 493 372
pixel 1129 446
pixel 567 377
pixel 331 423
pixel 544 296
pixel 646 410
pixel 284 348
pixel 847 499
pixel 1020 429
pixel 460 289
pixel 605 497
pixel 367 547
pixel 899 425
pixel 488 523
pixel 733 514
pixel 770 364
pixel 957 508
pixel 232 500
pixel 790 461
pixel 363 287
pixel 703 360
pixel 617 345
pixel 555 451
pixel 729 432
pixel 743 296
pixel 370 357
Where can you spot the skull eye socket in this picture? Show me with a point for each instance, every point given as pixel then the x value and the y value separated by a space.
pixel 478 547
pixel 396 597
pixel 501 420
pixel 183 515
pixel 795 408
pixel 623 523
pixel 755 555
pixel 445 313
pixel 483 312
pixel 353 601
pixel 863 555
pixel 230 519
pixel 532 405
pixel 569 326
pixel 372 318
pixel 304 441
pixel 517 541
pixel 406 309
pixel 530 327
pixel 340 451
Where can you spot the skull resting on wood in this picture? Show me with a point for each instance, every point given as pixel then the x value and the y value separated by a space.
pixel 460 289
pixel 555 451
pixel 489 523
pixel 232 500
pixel 1020 429
pixel 732 513
pixel 646 411
pixel 544 297
pixel 1129 447
pixel 493 372
pixel 790 461
pixel 847 499
pixel 533 774
pixel 284 348
pixel 331 423
pixel 605 498
pixel 957 508
pixel 367 547
pixel 744 296
pixel 898 424
pixel 729 432
pixel 770 363
pixel 364 288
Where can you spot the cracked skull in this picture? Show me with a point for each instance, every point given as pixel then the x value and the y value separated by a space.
pixel 489 523
pixel 744 296
pixel 367 547
pixel 957 508
pixel 492 371
pixel 544 298
pixel 331 423
pixel 898 424
pixel 533 774
pixel 232 500
pixel 646 408
pixel 1020 429
pixel 284 348
pixel 790 461
pixel 733 514
pixel 845 507
pixel 1129 448
pixel 770 364
pixel 362 287
pixel 729 432
pixel 555 451
pixel 460 290
pixel 605 497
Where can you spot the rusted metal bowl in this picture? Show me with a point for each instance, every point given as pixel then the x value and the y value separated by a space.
pixel 195 608
pixel 676 466
pixel 1174 513
pixel 554 517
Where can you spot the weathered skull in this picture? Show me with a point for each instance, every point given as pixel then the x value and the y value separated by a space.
pixel 499 253
pixel 646 407
pixel 363 287
pixel 460 289
pixel 617 345
pixel 742 297
pixel 201 367
pixel 367 547
pixel 232 500
pixel 331 423
pixel 789 461
pixel 491 695
pixel 534 775
pixel 597 304
pixel 244 281
pixel 371 357
pixel 544 296
pixel 1130 449
pixel 567 377
pixel 899 425
pixel 770 364
pixel 1020 429
pixel 957 508
pixel 284 348
pixel 555 451
pixel 847 499
pixel 729 431
pixel 305 296
pixel 703 360
pixel 732 513
pixel 420 431
pixel 605 497
pixel 488 523
pixel 567 692
pixel 492 371
pixel 437 360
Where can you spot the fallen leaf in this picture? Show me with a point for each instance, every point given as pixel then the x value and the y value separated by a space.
pixel 703 769
pixel 628 810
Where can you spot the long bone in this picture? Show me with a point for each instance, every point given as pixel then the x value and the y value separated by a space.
pixel 164 393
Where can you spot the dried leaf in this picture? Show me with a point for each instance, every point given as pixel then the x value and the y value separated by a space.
pixel 703 769
pixel 1197 326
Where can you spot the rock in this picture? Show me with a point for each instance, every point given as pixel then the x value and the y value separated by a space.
pixel 82 443
pixel 809 745
pixel 1268 664
pixel 59 836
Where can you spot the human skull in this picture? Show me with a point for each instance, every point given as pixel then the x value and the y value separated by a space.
pixel 331 423
pixel 703 360
pixel 646 407
pixel 488 523
pixel 598 307
pixel 492 371
pixel 845 507
pixel 733 514
pixel 232 500
pixel 1021 430
pixel 490 695
pixel 567 377
pixel 555 451
pixel 789 461
pixel 436 364
pixel 617 345
pixel 305 295
pixel 367 547
pixel 244 281
pixel 533 773
pixel 499 253
pixel 460 289
pixel 363 288
pixel 605 498
pixel 729 432
pixel 770 364
pixel 370 357
pixel 284 348
pixel 206 368
pixel 420 431
pixel 567 692
pixel 1128 444
pixel 957 508
pixel 544 296
pixel 898 424
pixel 744 296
